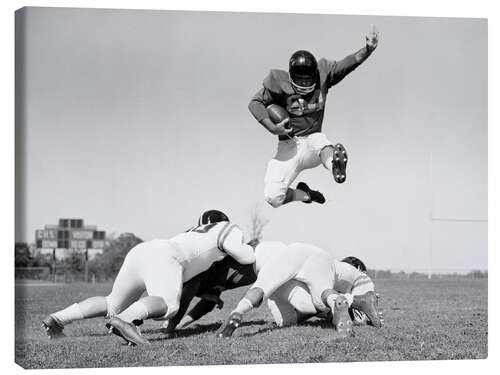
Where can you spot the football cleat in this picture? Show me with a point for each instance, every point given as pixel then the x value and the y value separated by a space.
pixel 53 329
pixel 339 164
pixel 358 318
pixel 314 196
pixel 227 329
pixel 368 304
pixel 341 320
pixel 127 331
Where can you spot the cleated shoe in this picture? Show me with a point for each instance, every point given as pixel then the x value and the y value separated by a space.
pixel 53 329
pixel 368 304
pixel 359 318
pixel 315 196
pixel 341 320
pixel 128 331
pixel 230 325
pixel 339 163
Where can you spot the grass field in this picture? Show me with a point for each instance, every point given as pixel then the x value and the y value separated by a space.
pixel 424 319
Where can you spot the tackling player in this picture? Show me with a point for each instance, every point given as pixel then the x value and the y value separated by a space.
pixel 292 302
pixel 158 267
pixel 223 275
pixel 302 92
pixel 325 280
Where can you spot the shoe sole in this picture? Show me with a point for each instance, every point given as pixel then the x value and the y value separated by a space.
pixel 339 163
pixel 129 340
pixel 341 320
pixel 229 329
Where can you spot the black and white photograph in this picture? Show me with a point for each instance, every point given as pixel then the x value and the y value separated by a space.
pixel 217 188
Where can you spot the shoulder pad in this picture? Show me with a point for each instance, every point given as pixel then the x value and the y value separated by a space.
pixel 224 233
pixel 277 81
pixel 325 67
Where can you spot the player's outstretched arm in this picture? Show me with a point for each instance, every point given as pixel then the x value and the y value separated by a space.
pixel 351 62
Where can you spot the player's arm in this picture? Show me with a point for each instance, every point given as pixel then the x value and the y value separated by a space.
pixel 230 241
pixel 345 66
pixel 257 107
pixel 203 307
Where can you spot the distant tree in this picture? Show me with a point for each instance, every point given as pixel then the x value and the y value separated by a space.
pixel 22 257
pixel 107 264
pixel 477 274
pixel 257 224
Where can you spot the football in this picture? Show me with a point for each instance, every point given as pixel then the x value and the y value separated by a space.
pixel 277 113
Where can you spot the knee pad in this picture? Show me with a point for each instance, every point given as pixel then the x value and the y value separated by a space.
pixel 275 193
pixel 255 296
pixel 275 200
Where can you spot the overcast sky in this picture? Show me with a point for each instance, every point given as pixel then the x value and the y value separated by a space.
pixel 137 121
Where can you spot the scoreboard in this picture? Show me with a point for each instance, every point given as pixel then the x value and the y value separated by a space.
pixel 70 234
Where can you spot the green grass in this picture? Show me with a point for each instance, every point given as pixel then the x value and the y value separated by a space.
pixel 424 319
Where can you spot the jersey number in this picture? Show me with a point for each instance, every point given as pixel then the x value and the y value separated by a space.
pixel 203 228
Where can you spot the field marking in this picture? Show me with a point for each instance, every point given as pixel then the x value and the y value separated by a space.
pixel 35 284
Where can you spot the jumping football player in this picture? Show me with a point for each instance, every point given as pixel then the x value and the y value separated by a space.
pixel 326 282
pixel 302 92
pixel 158 267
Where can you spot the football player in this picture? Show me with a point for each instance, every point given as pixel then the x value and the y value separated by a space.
pixel 292 302
pixel 302 92
pixel 223 275
pixel 327 282
pixel 158 267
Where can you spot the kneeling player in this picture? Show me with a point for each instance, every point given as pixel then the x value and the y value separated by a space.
pixel 158 267
pixel 292 303
pixel 276 264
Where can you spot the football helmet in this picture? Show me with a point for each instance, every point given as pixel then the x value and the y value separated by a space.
pixel 303 71
pixel 355 262
pixel 212 216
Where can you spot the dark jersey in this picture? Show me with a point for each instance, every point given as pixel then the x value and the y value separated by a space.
pixel 306 112
pixel 222 275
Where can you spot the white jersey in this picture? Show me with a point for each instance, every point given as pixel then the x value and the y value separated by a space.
pixel 348 279
pixel 269 252
pixel 197 249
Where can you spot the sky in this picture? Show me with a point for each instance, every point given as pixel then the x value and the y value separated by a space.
pixel 137 121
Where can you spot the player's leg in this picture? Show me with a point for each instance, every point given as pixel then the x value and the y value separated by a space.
pixel 162 277
pixel 283 313
pixel 291 304
pixel 189 291
pixel 333 157
pixel 281 172
pixel 318 273
pixel 307 158
pixel 126 289
pixel 274 273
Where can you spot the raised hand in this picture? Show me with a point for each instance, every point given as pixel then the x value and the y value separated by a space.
pixel 372 39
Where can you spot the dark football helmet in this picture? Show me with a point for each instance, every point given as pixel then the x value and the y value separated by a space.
pixel 212 216
pixel 303 70
pixel 355 262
